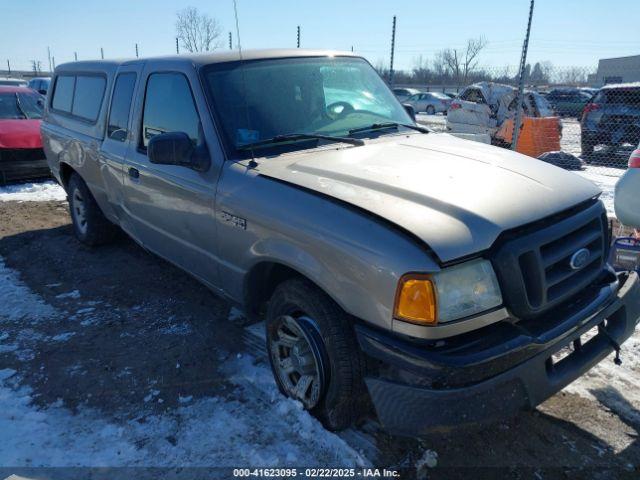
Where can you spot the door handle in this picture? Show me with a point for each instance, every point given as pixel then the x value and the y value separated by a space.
pixel 134 172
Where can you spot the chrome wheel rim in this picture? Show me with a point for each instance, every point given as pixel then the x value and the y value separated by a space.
pixel 79 211
pixel 297 360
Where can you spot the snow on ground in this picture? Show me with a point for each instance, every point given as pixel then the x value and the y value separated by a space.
pixel 33 192
pixel 252 425
pixel 618 385
pixel 605 180
pixel 266 431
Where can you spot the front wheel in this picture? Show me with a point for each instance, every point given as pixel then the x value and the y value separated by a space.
pixel 314 354
pixel 431 110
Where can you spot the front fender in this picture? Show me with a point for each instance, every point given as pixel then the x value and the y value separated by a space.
pixel 355 257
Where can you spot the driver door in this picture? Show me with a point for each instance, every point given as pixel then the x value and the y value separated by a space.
pixel 171 207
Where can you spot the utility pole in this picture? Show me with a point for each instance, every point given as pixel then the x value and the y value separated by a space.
pixel 75 56
pixel 230 42
pixel 177 46
pixel 136 50
pixel 53 62
pixel 49 57
pixel 393 48
pixel 523 62
pixel 9 66
pixel 101 53
pixel 298 36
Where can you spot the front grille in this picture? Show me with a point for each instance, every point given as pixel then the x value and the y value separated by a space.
pixel 535 270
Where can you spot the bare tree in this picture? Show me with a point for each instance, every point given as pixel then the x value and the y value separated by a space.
pixel 36 66
pixel 198 32
pixel 573 76
pixel 461 62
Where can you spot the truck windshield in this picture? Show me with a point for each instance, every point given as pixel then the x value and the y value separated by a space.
pixel 258 100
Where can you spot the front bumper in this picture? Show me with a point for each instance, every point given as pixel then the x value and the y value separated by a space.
pixel 22 164
pixel 497 371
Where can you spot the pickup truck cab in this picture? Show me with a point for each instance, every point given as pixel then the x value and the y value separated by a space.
pixel 433 276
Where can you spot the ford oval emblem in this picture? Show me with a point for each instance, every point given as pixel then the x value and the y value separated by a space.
pixel 579 259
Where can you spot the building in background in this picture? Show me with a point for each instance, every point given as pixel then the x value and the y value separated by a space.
pixel 616 70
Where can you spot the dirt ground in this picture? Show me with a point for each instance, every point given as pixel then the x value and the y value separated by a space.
pixel 158 326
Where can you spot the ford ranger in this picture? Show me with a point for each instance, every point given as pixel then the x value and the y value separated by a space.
pixel 443 281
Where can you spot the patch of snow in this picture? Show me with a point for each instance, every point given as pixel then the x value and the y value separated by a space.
pixel 18 302
pixel 75 294
pixel 429 459
pixel 604 182
pixel 33 192
pixel 616 387
pixel 259 432
pixel 63 337
pixel 176 329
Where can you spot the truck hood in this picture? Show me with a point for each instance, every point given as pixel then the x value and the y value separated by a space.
pixel 456 195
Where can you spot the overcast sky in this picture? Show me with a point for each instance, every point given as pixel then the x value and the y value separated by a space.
pixel 565 32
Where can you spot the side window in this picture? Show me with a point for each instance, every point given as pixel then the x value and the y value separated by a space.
pixel 87 98
pixel 63 93
pixel 168 107
pixel 120 106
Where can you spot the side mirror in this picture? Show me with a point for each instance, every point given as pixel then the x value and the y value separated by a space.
pixel 42 92
pixel 410 110
pixel 171 148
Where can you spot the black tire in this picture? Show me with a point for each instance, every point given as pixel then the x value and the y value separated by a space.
pixel 342 398
pixel 430 110
pixel 91 227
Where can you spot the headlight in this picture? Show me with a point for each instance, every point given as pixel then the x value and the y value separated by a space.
pixel 450 294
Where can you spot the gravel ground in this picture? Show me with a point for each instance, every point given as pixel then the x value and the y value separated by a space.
pixel 111 357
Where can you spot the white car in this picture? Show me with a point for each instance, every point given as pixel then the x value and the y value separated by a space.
pixel 482 107
pixel 429 102
pixel 12 82
pixel 627 200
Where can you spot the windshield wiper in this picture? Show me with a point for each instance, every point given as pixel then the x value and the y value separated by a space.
pixel 19 107
pixel 381 126
pixel 292 137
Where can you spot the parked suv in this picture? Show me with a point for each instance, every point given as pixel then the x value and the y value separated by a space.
pixel 611 118
pixel 436 276
pixel 568 102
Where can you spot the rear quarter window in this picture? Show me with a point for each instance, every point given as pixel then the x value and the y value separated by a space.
pixel 63 93
pixel 87 98
pixel 79 95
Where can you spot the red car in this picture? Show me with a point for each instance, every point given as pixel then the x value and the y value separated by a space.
pixel 21 155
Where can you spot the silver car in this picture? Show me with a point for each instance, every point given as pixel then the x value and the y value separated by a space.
pixel 403 93
pixel 430 276
pixel 627 193
pixel 429 102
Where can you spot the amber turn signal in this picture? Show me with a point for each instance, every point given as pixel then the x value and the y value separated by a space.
pixel 416 300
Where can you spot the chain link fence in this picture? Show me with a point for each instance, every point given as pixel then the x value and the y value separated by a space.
pixel 591 116
pixel 594 116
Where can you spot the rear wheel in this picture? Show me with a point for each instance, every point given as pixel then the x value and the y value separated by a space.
pixel 314 354
pixel 89 223
pixel 431 110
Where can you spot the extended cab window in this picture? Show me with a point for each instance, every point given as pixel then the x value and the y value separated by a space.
pixel 79 95
pixel 169 107
pixel 87 97
pixel 120 106
pixel 63 94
